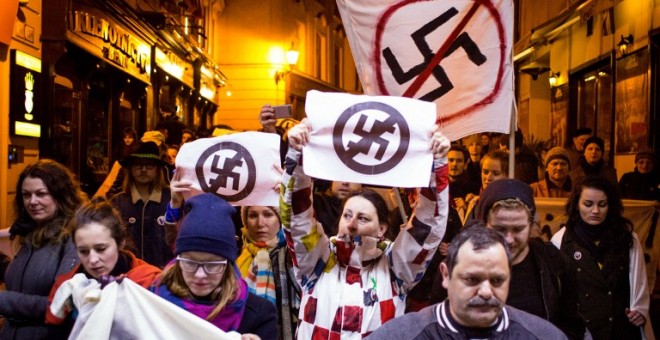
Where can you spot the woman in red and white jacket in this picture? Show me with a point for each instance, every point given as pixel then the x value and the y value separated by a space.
pixel 357 280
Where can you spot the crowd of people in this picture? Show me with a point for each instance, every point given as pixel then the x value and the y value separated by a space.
pixel 461 258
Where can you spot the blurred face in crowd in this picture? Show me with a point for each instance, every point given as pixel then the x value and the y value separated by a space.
pixel 144 171
pixel 456 160
pixel 593 153
pixel 593 206
pixel 485 140
pixel 578 142
pixel 262 223
pixel 491 170
pixel 557 170
pixel 474 149
pixel 128 139
pixel 478 286
pixel 513 224
pixel 342 189
pixel 172 152
pixel 202 272
pixel 644 165
pixel 360 217
pixel 97 249
pixel 37 200
pixel 186 137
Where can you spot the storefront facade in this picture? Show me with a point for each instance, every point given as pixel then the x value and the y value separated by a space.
pixel 590 64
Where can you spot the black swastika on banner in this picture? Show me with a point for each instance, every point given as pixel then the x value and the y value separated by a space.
pixel 419 38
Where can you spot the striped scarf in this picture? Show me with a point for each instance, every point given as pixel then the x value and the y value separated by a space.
pixel 255 266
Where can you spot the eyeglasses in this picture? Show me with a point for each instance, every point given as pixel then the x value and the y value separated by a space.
pixel 213 267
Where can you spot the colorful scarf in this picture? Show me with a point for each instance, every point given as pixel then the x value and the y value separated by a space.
pixel 229 318
pixel 255 266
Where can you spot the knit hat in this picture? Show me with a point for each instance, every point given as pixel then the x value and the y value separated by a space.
pixel 557 152
pixel 153 136
pixel 645 154
pixel 207 227
pixel 596 140
pixel 502 189
pixel 244 211
pixel 148 151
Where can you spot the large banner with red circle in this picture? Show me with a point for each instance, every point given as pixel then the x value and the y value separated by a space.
pixel 455 53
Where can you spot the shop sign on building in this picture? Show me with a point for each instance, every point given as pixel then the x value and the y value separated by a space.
pixel 25 94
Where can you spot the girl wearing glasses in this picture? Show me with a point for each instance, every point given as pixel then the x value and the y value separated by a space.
pixel 204 278
pixel 99 238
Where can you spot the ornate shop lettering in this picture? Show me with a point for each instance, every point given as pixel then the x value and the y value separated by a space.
pixel 121 48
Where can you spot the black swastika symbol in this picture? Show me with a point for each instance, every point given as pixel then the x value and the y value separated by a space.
pixel 238 165
pixel 226 172
pixel 462 41
pixel 371 137
pixel 394 124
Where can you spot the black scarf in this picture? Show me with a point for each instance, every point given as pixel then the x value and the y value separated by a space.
pixel 591 238
pixel 591 169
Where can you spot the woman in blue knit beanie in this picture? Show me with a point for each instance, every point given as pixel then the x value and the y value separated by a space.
pixel 204 279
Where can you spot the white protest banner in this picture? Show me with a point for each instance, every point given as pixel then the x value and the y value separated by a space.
pixel 243 168
pixel 369 139
pixel 455 53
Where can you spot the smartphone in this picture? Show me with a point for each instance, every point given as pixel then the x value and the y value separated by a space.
pixel 283 111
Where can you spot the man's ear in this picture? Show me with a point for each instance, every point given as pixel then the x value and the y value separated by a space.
pixel 445 274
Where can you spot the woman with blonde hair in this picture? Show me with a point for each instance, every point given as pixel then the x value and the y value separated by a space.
pixel 266 264
pixel 204 279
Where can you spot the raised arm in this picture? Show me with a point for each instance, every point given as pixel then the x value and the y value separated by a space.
pixel 416 243
pixel 306 240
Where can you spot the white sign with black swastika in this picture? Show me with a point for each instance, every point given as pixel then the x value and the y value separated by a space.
pixel 376 140
pixel 243 168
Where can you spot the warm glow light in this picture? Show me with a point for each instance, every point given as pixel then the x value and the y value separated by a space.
pixel 206 92
pixel 27 129
pixel 276 55
pixel 292 57
pixel 28 61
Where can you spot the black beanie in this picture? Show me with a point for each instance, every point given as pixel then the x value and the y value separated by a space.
pixel 595 140
pixel 502 189
pixel 207 227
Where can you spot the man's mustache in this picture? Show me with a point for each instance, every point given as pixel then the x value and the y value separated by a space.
pixel 478 301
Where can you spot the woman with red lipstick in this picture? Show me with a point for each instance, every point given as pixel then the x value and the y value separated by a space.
pixel 355 281
pixel 204 279
pixel 612 283
pixel 47 196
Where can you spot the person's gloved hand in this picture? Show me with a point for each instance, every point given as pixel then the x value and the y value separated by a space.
pixel 108 279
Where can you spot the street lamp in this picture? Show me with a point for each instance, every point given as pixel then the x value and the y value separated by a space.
pixel 291 57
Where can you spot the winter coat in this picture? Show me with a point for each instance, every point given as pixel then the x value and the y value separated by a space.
pixel 140 272
pixel 605 293
pixel 638 186
pixel 558 282
pixel 29 279
pixel 146 225
pixel 433 323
